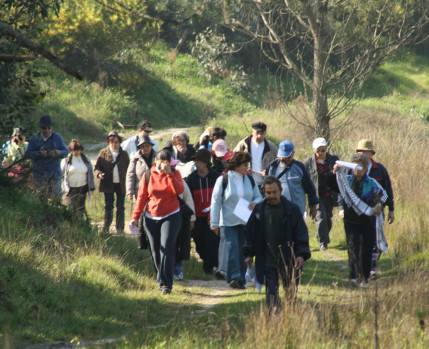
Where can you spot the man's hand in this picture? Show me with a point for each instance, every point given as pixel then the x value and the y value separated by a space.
pixel 192 225
pixel 377 209
pixel 341 214
pixel 299 262
pixel 313 211
pixel 130 196
pixel 391 217
pixel 43 153
pixel 215 230
pixel 249 261
pixel 134 222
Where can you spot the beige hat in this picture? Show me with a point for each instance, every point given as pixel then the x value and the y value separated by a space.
pixel 365 144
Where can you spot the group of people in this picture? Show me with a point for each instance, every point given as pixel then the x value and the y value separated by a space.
pixel 183 191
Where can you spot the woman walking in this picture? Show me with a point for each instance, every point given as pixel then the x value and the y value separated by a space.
pixel 162 215
pixel 361 206
pixel 111 168
pixel 77 177
pixel 228 190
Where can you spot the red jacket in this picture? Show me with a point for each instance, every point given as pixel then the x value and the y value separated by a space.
pixel 161 196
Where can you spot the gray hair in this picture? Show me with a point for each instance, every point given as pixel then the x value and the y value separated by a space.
pixel 180 133
pixel 362 158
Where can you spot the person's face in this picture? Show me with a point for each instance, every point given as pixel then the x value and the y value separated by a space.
pixel 145 132
pixel 162 164
pixel 368 153
pixel 287 160
pixel 19 139
pixel 259 136
pixel 321 152
pixel 76 153
pixel 242 169
pixel 272 193
pixel 180 143
pixel 114 143
pixel 359 174
pixel 46 131
pixel 145 149
pixel 201 165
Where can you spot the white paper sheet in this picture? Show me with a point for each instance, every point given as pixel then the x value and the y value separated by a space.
pixel 351 165
pixel 242 210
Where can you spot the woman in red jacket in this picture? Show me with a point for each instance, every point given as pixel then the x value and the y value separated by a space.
pixel 162 215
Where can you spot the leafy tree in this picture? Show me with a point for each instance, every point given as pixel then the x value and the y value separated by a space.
pixel 331 46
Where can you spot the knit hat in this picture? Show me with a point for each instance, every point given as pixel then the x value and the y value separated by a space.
pixel 365 144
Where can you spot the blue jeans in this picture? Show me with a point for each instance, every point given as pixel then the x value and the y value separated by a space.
pixel 223 251
pixel 162 235
pixel 109 199
pixel 235 241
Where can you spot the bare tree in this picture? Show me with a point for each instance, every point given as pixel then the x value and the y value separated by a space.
pixel 331 46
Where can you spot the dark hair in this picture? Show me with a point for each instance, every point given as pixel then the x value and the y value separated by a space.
pixel 75 144
pixel 163 154
pixel 271 180
pixel 238 158
pixel 217 132
pixel 143 124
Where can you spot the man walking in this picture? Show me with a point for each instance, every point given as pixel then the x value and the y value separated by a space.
pixel 46 148
pixel 294 178
pixel 130 144
pixel 277 236
pixel 261 149
pixel 320 166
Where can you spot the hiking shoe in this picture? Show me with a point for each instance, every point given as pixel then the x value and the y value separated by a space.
pixel 165 290
pixel 178 277
pixel 353 283
pixel 220 275
pixel 374 275
pixel 323 247
pixel 237 285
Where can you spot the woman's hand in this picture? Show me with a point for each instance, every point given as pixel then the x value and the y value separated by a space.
pixel 215 230
pixel 377 208
pixel 101 175
pixel 165 168
pixel 251 206
pixel 341 214
pixel 130 196
pixel 134 222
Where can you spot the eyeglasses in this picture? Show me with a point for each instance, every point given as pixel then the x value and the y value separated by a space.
pixel 46 127
pixel 321 150
pixel 147 131
pixel 114 142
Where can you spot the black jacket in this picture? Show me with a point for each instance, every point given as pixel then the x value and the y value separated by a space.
pixel 295 241
pixel 379 173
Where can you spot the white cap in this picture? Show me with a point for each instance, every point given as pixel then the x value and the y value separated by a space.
pixel 319 142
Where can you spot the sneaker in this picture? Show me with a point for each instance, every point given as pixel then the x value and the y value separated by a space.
pixel 323 247
pixel 353 283
pixel 165 290
pixel 237 285
pixel 220 275
pixel 374 275
pixel 178 277
pixel 364 284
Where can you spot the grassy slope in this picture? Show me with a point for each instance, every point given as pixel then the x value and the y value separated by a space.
pixel 59 280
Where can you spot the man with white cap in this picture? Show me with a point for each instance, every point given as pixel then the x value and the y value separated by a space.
pixel 320 166
pixel 293 175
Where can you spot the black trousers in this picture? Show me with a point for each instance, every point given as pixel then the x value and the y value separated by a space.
pixel 360 240
pixel 206 243
pixel 76 198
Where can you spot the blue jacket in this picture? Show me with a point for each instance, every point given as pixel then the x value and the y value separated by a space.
pixel 49 166
pixel 224 202
pixel 295 240
pixel 299 183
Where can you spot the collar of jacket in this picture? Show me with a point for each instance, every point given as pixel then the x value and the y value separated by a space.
pixel 70 157
pixel 248 141
pixel 374 164
pixel 259 210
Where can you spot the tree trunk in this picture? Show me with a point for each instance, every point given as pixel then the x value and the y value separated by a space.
pixel 321 117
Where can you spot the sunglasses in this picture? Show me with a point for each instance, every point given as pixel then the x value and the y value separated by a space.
pixel 147 131
pixel 321 150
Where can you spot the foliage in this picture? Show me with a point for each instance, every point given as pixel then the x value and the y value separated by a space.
pixel 213 55
pixel 94 36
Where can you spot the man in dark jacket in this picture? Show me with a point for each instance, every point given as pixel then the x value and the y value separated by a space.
pixel 320 166
pixel 277 235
